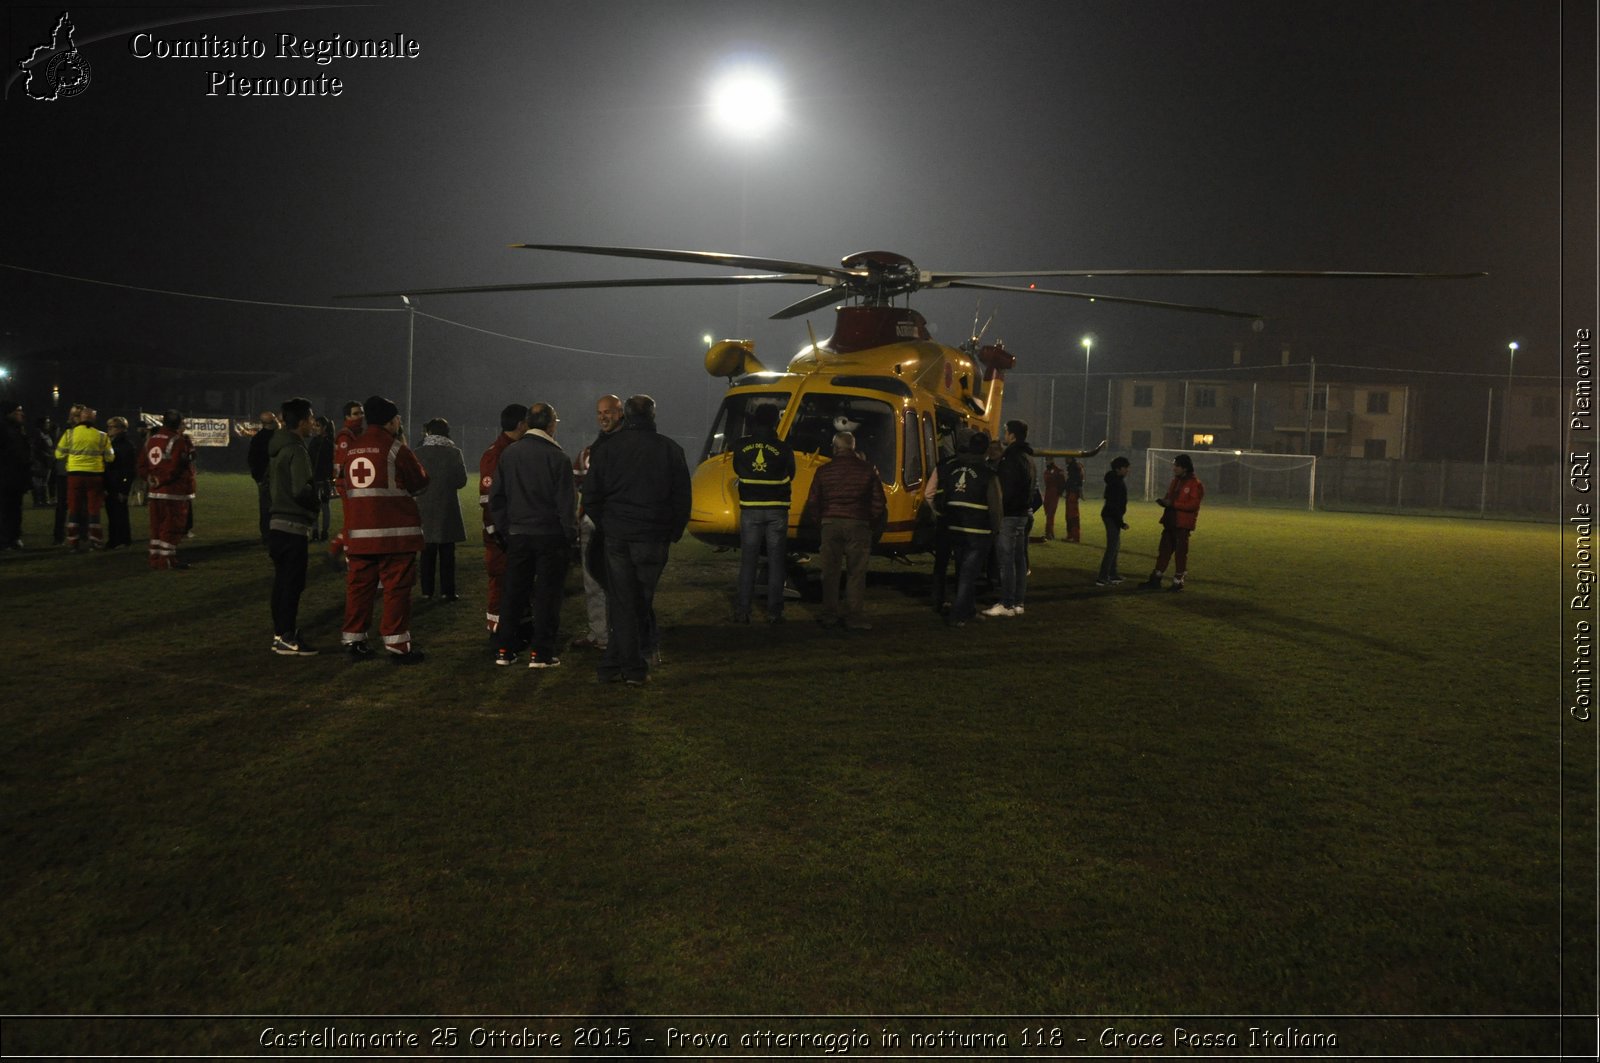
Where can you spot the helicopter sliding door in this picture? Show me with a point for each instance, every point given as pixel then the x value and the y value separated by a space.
pixel 871 421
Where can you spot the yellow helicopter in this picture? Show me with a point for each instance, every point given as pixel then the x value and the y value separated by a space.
pixel 880 375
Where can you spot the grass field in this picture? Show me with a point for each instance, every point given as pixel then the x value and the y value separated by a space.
pixel 1323 780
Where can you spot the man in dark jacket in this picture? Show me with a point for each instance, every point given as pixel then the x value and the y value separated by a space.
pixel 764 466
pixel 120 472
pixel 258 457
pixel 291 513
pixel 847 498
pixel 1011 549
pixel 1113 514
pixel 968 501
pixel 534 509
pixel 637 493
pixel 15 472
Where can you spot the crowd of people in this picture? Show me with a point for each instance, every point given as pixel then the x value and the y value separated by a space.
pixel 615 510
pixel 89 476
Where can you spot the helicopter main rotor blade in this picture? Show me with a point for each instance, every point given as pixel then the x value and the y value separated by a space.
pixel 702 258
pixel 1095 297
pixel 939 280
pixel 812 302
pixel 630 282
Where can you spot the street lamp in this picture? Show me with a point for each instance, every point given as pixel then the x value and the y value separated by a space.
pixel 1083 429
pixel 411 341
pixel 1505 407
pixel 746 103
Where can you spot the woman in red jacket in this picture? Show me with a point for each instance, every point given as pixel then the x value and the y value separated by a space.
pixel 1179 508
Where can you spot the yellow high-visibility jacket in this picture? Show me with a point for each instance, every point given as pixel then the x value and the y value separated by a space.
pixel 85 448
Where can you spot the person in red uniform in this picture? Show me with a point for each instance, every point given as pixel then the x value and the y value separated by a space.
pixel 383 533
pixel 166 464
pixel 513 426
pixel 1055 481
pixel 1072 491
pixel 355 422
pixel 1179 508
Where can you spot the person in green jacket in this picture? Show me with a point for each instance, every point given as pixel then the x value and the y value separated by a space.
pixel 292 513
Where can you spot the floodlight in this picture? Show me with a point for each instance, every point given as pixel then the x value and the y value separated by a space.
pixel 746 101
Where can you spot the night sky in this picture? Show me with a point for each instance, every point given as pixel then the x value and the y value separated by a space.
pixel 1070 134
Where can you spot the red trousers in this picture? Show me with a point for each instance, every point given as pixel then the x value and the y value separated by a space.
pixel 494 562
pixel 398 573
pixel 1073 533
pixel 86 493
pixel 1174 546
pixel 169 518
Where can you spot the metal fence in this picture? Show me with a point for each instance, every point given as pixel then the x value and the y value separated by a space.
pixel 1461 488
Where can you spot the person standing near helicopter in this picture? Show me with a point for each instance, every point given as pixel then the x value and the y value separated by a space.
pixel 638 495
pixel 608 417
pixel 1016 476
pixel 764 466
pixel 848 502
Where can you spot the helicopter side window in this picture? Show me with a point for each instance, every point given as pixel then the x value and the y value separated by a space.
pixel 911 475
pixel 871 421
pixel 733 419
pixel 933 455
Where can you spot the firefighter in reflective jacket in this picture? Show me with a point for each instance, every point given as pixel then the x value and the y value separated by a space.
pixel 383 530
pixel 167 466
pixel 764 467
pixel 969 499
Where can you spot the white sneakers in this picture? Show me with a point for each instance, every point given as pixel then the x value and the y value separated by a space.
pixel 1000 609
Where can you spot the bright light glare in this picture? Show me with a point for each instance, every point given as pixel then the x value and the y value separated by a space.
pixel 746 102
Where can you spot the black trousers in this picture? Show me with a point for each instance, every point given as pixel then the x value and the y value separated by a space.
pixel 443 557
pixel 632 572
pixel 536 565
pixel 288 552
pixel 11 515
pixel 118 531
pixel 264 506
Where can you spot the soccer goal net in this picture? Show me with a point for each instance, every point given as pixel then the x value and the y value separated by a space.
pixel 1245 476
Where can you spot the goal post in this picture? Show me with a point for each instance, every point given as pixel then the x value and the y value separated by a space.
pixel 1249 476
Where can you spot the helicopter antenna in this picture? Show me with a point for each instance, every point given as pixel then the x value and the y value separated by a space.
pixel 979 337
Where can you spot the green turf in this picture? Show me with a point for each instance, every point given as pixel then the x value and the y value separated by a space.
pixel 1324 779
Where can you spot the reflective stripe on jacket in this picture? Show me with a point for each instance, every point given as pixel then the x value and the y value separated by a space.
pixel 85 449
pixel 380 515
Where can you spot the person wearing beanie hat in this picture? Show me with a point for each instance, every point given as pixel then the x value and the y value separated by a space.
pixel 1180 507
pixel 383 533
pixel 380 410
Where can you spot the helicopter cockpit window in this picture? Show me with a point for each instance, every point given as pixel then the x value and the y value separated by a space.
pixel 872 422
pixel 733 419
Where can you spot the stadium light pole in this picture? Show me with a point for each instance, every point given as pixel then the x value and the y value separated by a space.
pixel 411 342
pixel 1083 427
pixel 1505 406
